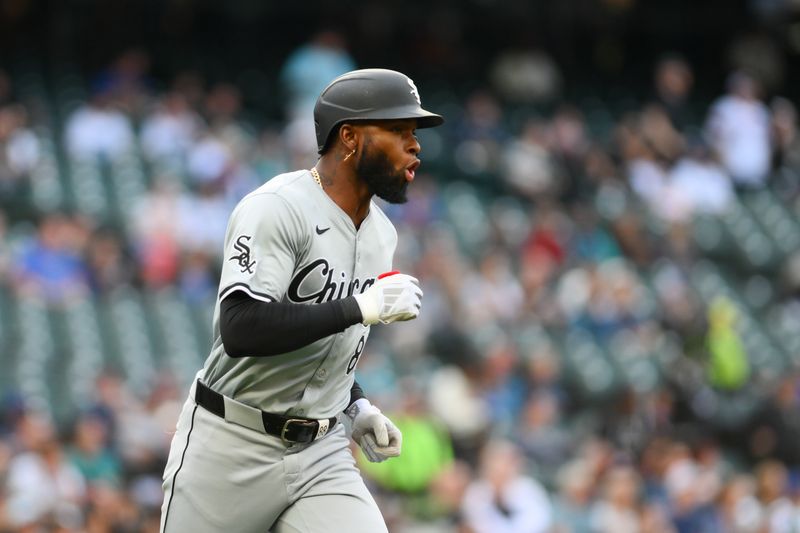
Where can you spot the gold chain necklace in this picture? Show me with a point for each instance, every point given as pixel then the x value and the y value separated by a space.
pixel 315 175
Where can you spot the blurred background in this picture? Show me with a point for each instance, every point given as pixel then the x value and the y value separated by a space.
pixel 607 230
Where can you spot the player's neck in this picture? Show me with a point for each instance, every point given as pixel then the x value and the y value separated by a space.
pixel 344 187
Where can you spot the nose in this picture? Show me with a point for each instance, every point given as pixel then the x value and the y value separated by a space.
pixel 414 147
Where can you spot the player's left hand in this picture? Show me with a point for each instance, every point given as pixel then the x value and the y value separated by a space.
pixel 377 436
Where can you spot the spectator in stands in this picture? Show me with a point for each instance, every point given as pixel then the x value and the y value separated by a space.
pixel 503 499
pixel 689 492
pixel 196 280
pixel 544 370
pixel 479 135
pixel 170 129
pixel 43 487
pixel 209 160
pixel 738 508
pixel 223 111
pixel 308 70
pixel 528 167
pixel 589 241
pixel 772 484
pixel 112 509
pixel 454 399
pixel 427 452
pixel 447 491
pixel 611 299
pixel 569 142
pixel 542 434
pixel 501 385
pixel 729 366
pixel 127 81
pixel 697 184
pixel 786 142
pixel 51 265
pixel 493 292
pixel 572 501
pixel 738 127
pixel 154 233
pixel 108 261
pixel 659 135
pixel 526 76
pixel 202 219
pixel 19 153
pixel 269 157
pixel 776 429
pixel 97 129
pixel 90 454
pixel 673 83
pixel 617 508
pixel 645 173
pixel 303 76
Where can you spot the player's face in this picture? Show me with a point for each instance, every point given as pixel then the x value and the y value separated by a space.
pixel 388 158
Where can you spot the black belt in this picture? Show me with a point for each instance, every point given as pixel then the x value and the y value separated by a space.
pixel 291 430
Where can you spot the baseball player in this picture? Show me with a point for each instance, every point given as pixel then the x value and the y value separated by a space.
pixel 260 444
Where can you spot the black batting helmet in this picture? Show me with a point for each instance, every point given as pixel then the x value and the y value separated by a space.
pixel 369 94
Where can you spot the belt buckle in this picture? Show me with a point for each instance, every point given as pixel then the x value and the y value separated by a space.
pixel 307 423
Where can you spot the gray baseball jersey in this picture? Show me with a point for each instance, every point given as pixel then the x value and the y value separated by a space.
pixel 288 241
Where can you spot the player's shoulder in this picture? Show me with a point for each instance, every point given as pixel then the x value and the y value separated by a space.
pixel 285 185
pixel 284 189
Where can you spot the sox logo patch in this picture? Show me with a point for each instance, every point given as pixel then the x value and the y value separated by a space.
pixel 244 254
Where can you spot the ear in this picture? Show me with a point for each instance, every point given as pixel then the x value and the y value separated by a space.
pixel 349 136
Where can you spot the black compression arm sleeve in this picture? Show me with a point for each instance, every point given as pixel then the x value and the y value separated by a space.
pixel 252 328
pixel 356 393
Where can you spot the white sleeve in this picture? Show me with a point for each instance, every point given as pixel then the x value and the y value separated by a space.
pixel 262 243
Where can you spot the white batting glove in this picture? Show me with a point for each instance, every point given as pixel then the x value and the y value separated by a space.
pixel 377 436
pixel 393 297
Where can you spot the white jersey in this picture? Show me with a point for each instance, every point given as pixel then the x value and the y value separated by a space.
pixel 288 241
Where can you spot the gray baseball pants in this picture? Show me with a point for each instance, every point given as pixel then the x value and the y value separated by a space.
pixel 221 476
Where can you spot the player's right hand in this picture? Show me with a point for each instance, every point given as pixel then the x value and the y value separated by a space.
pixel 394 297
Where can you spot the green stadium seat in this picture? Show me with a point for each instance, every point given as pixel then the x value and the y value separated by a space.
pixel 776 220
pixel 86 344
pixel 176 329
pixel 592 372
pixel 36 351
pixel 754 246
pixel 131 337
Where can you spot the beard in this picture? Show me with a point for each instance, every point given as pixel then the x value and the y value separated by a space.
pixel 383 180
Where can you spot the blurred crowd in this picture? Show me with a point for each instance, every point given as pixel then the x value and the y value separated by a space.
pixel 544 231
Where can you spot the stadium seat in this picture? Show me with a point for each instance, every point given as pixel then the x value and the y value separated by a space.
pixel 775 218
pixel 86 344
pixel 129 330
pixel 592 373
pixel 35 352
pixel 172 317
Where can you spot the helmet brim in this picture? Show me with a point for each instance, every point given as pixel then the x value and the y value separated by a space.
pixel 424 118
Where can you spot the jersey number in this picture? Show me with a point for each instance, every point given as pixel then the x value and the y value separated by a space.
pixel 357 355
